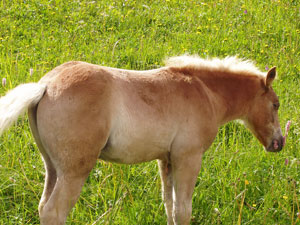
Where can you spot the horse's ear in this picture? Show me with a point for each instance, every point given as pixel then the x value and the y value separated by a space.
pixel 270 76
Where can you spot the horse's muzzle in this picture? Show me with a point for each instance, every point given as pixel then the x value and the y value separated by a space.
pixel 276 145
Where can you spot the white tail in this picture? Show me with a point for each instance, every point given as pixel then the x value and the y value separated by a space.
pixel 17 101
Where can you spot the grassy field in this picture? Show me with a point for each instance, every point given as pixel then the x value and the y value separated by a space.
pixel 239 182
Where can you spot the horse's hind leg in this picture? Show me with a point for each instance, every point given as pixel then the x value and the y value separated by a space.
pixel 50 181
pixel 167 187
pixel 73 121
pixel 72 171
pixel 74 158
pixel 63 198
pixel 51 176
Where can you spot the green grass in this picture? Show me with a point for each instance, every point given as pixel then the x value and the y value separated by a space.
pixel 239 181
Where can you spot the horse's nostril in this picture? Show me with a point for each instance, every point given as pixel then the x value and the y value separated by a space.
pixel 276 144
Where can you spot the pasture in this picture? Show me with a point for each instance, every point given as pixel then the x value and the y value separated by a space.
pixel 239 182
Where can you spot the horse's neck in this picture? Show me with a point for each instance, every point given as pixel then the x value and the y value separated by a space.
pixel 232 94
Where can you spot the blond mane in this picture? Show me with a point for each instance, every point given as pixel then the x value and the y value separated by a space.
pixel 228 64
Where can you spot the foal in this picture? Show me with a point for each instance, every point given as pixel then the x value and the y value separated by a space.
pixel 80 112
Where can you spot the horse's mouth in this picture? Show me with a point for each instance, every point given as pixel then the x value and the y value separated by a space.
pixel 276 145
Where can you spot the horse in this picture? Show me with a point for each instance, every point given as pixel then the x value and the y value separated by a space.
pixel 81 112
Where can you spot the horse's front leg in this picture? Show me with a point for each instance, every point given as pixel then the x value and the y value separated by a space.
pixel 185 169
pixel 165 169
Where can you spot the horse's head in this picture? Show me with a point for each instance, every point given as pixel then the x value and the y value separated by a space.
pixel 262 117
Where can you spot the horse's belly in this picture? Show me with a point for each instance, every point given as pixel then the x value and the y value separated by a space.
pixel 128 150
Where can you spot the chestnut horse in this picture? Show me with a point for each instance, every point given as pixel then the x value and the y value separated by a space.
pixel 80 112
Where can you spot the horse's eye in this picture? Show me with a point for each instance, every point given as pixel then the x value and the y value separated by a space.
pixel 276 106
